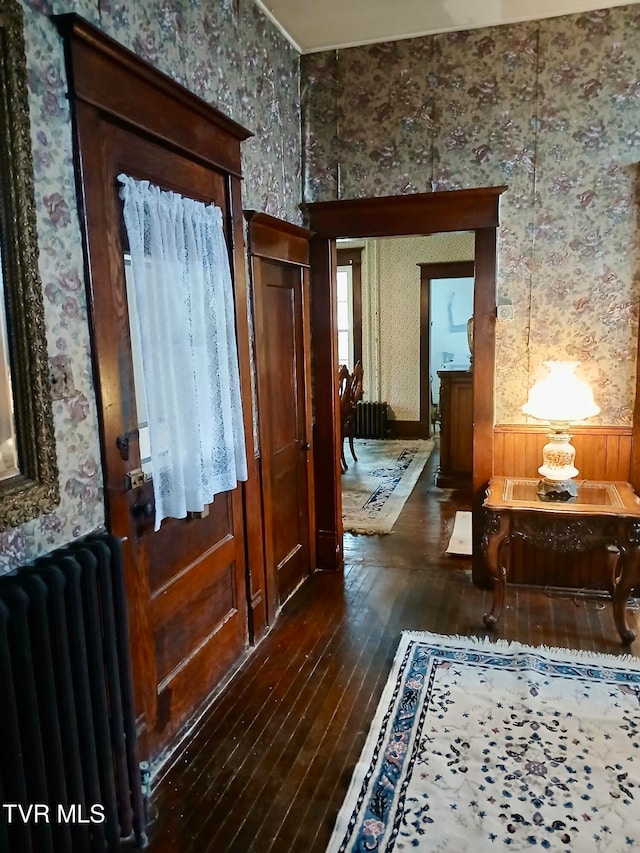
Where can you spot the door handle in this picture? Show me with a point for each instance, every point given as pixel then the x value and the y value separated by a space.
pixel 305 446
pixel 145 509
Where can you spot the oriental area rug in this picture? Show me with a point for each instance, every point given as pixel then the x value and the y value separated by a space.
pixel 480 746
pixel 376 487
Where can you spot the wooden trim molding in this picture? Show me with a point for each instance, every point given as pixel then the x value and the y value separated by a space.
pixel 273 240
pixel 422 213
pixel 353 258
pixel 389 216
pixel 410 429
pixel 453 269
pixel 276 240
pixel 100 71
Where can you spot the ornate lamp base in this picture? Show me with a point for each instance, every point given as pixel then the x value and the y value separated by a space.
pixel 557 490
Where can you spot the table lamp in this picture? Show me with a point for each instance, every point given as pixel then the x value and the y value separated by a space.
pixel 560 398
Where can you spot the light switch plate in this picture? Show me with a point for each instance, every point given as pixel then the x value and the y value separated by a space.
pixel 505 312
pixel 61 377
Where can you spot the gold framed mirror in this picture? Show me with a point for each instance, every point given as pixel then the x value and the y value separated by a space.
pixel 29 482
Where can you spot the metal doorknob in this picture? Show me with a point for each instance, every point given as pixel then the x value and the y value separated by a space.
pixel 305 446
pixel 144 509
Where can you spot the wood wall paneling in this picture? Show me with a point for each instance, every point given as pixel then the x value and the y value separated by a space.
pixel 602 453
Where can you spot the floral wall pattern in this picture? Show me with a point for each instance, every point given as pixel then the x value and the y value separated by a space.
pixel 549 108
pixel 399 284
pixel 226 53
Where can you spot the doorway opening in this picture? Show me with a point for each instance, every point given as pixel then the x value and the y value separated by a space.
pixel 428 213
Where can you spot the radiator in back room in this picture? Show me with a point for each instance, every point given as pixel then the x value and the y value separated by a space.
pixel 371 420
pixel 68 735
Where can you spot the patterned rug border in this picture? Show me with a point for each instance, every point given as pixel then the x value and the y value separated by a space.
pixel 598 665
pixel 554 652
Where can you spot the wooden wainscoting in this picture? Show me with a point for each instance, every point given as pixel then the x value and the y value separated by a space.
pixel 602 453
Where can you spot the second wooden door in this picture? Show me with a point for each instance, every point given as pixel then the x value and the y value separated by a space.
pixel 279 264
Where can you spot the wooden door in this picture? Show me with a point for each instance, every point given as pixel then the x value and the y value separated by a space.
pixel 187 583
pixel 279 265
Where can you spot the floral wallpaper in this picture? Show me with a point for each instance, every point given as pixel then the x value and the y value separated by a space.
pixel 230 55
pixel 549 108
pixel 399 282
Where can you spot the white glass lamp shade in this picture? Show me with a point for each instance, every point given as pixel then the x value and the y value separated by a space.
pixel 560 397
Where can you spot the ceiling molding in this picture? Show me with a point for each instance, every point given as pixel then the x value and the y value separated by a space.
pixel 311 27
pixel 276 23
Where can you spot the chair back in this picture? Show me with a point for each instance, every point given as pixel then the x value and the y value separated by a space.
pixel 355 385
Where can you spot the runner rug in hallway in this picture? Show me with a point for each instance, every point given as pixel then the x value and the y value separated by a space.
pixel 480 746
pixel 375 488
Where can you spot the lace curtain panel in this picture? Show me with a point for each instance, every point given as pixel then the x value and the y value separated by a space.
pixel 185 311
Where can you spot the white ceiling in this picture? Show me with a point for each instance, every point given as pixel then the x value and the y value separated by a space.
pixel 312 25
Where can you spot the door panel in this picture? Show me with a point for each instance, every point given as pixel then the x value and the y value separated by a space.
pixel 186 582
pixel 280 283
pixel 283 366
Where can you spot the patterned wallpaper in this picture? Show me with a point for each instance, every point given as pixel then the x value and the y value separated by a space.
pixel 549 108
pixel 235 60
pixel 391 313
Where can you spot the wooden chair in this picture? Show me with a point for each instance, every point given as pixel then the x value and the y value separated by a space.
pixel 350 389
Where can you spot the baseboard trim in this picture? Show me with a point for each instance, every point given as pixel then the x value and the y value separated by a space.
pixel 329 551
pixel 409 429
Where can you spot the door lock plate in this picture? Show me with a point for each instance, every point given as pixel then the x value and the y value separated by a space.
pixel 134 479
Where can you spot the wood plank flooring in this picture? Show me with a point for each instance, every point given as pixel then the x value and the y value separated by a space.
pixel 270 764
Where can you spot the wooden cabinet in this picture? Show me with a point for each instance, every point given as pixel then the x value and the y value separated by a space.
pixel 456 429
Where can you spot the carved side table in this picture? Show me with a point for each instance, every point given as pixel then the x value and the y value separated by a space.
pixel 603 514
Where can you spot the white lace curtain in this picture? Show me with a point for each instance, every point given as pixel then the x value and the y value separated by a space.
pixel 185 309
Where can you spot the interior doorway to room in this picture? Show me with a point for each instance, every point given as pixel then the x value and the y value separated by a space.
pixel 426 213
pixel 402 310
pixel 446 312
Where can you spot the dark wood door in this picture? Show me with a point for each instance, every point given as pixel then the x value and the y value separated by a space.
pixel 287 446
pixel 279 263
pixel 186 582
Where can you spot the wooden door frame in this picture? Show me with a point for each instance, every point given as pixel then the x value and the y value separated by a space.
pixel 353 258
pixel 474 210
pixel 148 103
pixel 274 240
pixel 429 271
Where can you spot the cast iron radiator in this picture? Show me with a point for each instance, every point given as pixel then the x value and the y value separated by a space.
pixel 68 745
pixel 371 420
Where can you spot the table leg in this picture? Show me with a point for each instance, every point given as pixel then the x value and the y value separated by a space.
pixel 627 578
pixel 499 570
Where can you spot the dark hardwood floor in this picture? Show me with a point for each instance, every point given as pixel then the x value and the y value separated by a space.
pixel 268 767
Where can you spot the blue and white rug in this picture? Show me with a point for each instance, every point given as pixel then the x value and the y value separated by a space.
pixel 481 746
pixel 375 488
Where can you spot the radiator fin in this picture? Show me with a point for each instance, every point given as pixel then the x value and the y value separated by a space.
pixel 68 736
pixel 371 420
